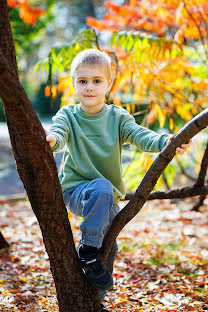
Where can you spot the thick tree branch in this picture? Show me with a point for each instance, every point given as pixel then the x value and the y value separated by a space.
pixel 189 191
pixel 142 193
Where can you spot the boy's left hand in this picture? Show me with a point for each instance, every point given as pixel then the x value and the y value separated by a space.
pixel 183 148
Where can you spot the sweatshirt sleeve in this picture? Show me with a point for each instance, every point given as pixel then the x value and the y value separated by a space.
pixel 145 139
pixel 60 129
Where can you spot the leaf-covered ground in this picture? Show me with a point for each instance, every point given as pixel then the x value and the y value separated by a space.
pixel 161 264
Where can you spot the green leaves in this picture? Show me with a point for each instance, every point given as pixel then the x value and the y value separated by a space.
pixel 62 56
pixel 145 45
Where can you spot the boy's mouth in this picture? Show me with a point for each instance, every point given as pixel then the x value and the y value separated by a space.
pixel 89 95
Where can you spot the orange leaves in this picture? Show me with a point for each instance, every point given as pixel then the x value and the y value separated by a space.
pixel 27 13
pixel 101 24
pixel 125 10
pixel 51 91
pixel 156 16
pixel 30 14
pixel 118 15
pixel 118 19
pixel 13 3
pixel 179 36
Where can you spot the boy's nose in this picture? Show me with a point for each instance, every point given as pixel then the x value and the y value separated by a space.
pixel 89 87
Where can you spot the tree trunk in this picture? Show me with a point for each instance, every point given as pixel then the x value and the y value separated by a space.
pixel 37 170
pixel 3 242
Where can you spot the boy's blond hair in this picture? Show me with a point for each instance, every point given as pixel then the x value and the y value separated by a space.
pixel 91 57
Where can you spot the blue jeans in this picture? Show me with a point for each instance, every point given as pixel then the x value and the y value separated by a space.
pixel 94 202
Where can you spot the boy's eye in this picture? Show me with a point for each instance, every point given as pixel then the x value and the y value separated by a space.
pixel 82 81
pixel 97 80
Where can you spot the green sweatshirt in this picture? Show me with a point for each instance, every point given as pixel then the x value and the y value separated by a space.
pixel 94 144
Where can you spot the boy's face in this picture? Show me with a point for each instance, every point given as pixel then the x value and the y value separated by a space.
pixel 90 84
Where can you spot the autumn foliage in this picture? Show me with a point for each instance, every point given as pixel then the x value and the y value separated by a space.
pixel 27 13
pixel 170 86
pixel 188 17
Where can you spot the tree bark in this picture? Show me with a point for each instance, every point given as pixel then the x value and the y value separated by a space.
pixel 37 170
pixel 3 242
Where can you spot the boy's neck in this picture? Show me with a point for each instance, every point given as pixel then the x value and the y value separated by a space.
pixel 91 110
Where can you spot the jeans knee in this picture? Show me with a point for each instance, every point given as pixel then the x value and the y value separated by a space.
pixel 103 186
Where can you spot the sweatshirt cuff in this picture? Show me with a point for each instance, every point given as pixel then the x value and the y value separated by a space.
pixel 55 148
pixel 164 140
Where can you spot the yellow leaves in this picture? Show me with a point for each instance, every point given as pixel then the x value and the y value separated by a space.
pixel 161 115
pixel 183 113
pixel 145 161
pixel 13 291
pixel 156 113
pixel 24 279
pixel 171 124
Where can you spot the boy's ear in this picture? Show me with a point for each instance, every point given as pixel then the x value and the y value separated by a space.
pixel 109 84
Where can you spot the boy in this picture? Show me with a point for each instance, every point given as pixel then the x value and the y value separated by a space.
pixel 91 179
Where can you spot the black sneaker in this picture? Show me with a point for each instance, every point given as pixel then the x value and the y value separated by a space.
pixel 103 309
pixel 95 271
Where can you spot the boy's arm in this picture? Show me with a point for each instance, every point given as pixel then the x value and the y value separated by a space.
pixel 145 139
pixel 59 132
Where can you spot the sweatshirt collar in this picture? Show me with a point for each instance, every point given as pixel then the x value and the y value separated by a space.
pixel 87 116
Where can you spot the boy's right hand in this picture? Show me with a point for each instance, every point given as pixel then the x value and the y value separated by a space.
pixel 50 138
